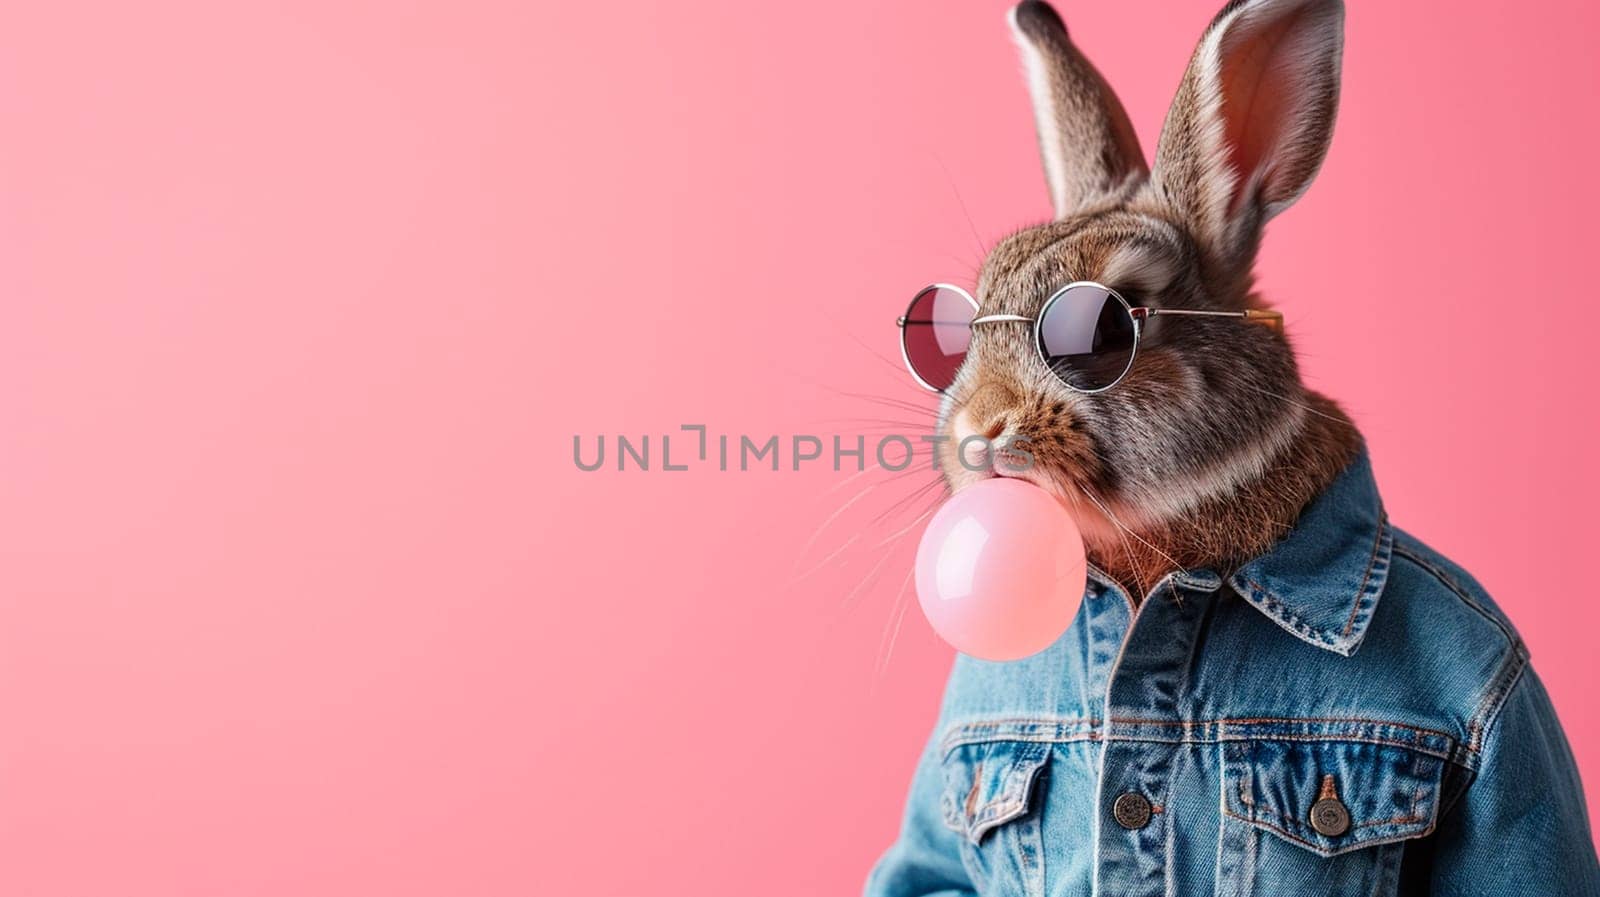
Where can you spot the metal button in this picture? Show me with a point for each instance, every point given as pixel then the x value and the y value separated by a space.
pixel 1329 817
pixel 1131 810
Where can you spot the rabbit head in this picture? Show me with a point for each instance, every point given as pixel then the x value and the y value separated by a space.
pixel 1211 431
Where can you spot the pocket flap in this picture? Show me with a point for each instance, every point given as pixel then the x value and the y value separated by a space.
pixel 1332 797
pixel 989 783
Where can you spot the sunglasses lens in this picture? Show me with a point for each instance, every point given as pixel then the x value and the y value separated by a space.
pixel 937 331
pixel 1086 336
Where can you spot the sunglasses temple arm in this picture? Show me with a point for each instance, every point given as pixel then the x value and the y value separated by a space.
pixel 1272 320
pixel 1268 317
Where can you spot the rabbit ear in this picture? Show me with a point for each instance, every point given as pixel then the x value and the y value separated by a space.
pixel 1088 144
pixel 1252 119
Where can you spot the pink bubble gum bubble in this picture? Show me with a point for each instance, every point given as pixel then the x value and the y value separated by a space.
pixel 1000 570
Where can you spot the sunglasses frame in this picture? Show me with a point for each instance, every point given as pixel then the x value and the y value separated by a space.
pixel 1138 313
pixel 905 354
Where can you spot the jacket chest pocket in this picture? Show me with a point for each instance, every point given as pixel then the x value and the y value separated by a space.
pixel 992 798
pixel 1322 817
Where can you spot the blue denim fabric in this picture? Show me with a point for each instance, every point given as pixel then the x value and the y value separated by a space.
pixel 1350 663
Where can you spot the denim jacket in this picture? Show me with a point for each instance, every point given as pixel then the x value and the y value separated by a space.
pixel 1348 714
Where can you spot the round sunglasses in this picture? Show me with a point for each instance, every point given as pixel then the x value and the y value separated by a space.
pixel 1086 333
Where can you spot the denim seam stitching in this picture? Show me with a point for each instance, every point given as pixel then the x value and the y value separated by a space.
pixel 1449 582
pixel 1274 607
pixel 1445 754
pixel 1370 823
pixel 953 744
pixel 1323 851
pixel 1011 803
pixel 1372 561
pixel 1264 597
pixel 1505 677
pixel 1494 699
pixel 991 731
pixel 1437 754
pixel 1262 720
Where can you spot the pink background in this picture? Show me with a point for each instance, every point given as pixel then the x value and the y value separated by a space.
pixel 301 307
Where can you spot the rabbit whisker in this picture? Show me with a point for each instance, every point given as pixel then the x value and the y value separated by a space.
pixel 892 630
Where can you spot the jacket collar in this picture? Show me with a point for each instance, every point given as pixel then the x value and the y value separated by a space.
pixel 1322 581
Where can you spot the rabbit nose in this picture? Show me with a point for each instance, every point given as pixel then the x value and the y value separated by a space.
pixel 972 442
pixel 989 429
pixel 975 427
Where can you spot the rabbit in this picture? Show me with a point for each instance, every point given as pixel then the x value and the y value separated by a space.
pixel 1206 452
pixel 1267 688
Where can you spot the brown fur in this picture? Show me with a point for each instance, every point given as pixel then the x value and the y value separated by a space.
pixel 1206 453
pixel 1224 533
